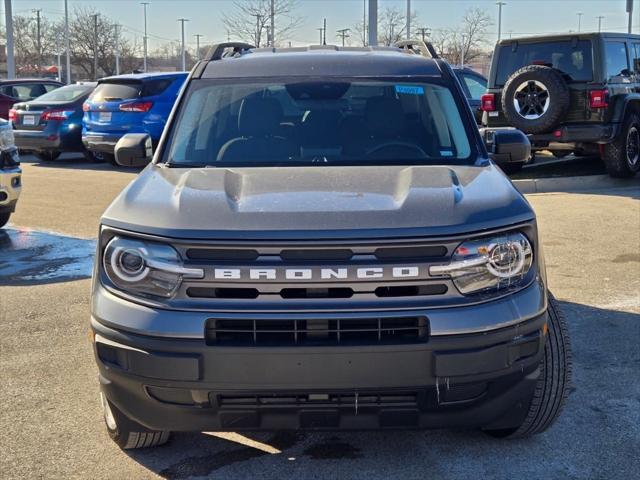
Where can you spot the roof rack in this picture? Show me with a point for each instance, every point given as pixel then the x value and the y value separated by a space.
pixel 227 49
pixel 418 47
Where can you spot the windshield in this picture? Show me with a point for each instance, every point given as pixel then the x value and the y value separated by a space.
pixel 66 94
pixel 318 122
pixel 571 58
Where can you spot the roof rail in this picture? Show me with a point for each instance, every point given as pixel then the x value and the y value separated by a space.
pixel 418 47
pixel 227 49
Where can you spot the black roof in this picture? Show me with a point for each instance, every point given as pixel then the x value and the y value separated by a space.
pixel 322 61
pixel 566 36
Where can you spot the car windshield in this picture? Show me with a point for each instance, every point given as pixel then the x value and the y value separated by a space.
pixel 571 58
pixel 66 94
pixel 357 122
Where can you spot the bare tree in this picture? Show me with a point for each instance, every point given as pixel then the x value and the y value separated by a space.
pixel 251 19
pixel 392 25
pixel 473 32
pixel 27 56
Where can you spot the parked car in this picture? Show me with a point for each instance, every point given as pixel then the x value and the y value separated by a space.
pixel 323 242
pixel 575 92
pixel 23 90
pixel 10 173
pixel 137 103
pixel 52 124
pixel 474 86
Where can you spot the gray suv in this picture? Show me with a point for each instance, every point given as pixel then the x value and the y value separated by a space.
pixel 323 241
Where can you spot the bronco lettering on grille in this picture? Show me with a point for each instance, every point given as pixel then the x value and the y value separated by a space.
pixel 319 274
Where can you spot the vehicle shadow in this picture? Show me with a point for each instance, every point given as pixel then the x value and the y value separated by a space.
pixel 32 257
pixel 75 162
pixel 598 432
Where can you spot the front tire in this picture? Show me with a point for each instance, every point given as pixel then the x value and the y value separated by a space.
pixel 128 434
pixel 511 168
pixel 4 219
pixel 622 156
pixel 552 387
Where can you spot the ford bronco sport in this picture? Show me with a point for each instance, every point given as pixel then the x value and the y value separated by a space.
pixel 571 93
pixel 10 173
pixel 323 242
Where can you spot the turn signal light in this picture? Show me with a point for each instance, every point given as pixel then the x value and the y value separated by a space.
pixel 488 102
pixel 136 107
pixel 598 98
pixel 13 115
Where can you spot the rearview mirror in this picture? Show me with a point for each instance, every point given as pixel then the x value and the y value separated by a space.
pixel 134 150
pixel 506 145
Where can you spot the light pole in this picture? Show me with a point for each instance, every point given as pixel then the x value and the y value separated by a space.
pixel 95 45
pixel 258 29
pixel 38 38
pixel 144 39
pixel 58 56
pixel 184 55
pixel 373 23
pixel 117 29
pixel 600 18
pixel 579 20
pixel 66 40
pixel 364 23
pixel 630 12
pixel 343 33
pixel 408 19
pixel 272 12
pixel 464 39
pixel 198 35
pixel 500 4
pixel 8 16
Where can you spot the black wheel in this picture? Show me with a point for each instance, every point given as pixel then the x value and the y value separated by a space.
pixel 622 156
pixel 4 219
pixel 511 168
pixel 90 156
pixel 535 99
pixel 48 155
pixel 554 383
pixel 127 433
pixel 106 157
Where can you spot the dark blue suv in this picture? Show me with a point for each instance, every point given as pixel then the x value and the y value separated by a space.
pixel 137 103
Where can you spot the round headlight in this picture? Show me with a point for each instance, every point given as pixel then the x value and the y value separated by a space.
pixel 506 259
pixel 129 264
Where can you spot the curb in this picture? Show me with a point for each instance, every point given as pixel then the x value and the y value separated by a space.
pixel 572 184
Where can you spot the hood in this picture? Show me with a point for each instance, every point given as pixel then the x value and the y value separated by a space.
pixel 325 202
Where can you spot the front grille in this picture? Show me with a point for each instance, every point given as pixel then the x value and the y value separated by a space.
pixel 349 400
pixel 349 331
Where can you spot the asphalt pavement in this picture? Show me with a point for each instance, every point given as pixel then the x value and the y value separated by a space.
pixel 50 417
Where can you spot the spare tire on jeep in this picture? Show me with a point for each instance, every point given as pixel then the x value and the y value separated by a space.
pixel 535 99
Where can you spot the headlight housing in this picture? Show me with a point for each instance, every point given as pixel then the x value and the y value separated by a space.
pixel 491 263
pixel 147 268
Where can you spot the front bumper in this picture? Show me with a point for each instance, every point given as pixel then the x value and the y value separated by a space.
pixel 10 188
pixel 481 379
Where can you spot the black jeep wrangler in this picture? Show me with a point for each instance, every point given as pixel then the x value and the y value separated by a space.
pixel 575 93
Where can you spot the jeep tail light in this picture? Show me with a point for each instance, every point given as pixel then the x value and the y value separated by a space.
pixel 136 107
pixel 56 115
pixel 488 102
pixel 13 115
pixel 598 98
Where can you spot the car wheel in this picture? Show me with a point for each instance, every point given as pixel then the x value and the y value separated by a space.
pixel 622 156
pixel 552 387
pixel 128 434
pixel 47 156
pixel 90 156
pixel 535 99
pixel 4 219
pixel 105 157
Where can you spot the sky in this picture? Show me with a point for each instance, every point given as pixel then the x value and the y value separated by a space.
pixel 520 17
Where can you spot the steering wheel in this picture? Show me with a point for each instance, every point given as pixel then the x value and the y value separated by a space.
pixel 416 150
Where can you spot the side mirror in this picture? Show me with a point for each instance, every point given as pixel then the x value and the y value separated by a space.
pixel 506 145
pixel 134 150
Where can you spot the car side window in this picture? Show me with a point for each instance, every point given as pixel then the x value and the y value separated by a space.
pixel 636 57
pixel 49 87
pixel 616 59
pixel 27 91
pixel 476 85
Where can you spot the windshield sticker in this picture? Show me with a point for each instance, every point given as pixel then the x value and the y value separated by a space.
pixel 446 153
pixel 409 89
